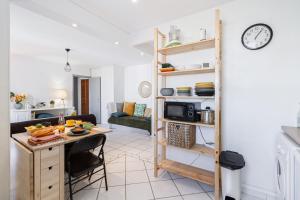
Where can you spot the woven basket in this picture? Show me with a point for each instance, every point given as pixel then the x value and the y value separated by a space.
pixel 181 135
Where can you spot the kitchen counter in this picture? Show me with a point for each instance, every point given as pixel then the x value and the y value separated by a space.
pixel 293 133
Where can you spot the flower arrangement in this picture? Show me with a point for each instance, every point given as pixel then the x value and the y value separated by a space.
pixel 18 98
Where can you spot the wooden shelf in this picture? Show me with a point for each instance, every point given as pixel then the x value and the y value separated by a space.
pixel 187 72
pixel 199 148
pixel 194 46
pixel 188 171
pixel 160 81
pixel 189 123
pixel 185 97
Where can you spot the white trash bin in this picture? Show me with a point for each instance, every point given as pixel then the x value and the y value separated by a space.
pixel 231 163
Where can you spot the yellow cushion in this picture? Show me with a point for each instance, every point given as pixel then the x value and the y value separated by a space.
pixel 129 108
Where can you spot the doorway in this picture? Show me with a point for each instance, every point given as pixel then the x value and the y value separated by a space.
pixel 87 96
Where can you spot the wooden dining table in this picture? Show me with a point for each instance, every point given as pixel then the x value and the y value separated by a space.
pixel 38 171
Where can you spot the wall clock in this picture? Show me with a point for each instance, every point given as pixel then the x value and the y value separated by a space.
pixel 257 36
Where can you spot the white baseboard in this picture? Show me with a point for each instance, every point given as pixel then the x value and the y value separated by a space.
pixel 259 193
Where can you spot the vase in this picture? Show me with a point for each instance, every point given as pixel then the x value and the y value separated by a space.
pixel 18 106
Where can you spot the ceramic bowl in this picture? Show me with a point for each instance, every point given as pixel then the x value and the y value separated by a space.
pixel 167 91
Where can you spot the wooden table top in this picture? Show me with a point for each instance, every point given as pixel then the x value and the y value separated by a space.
pixel 23 138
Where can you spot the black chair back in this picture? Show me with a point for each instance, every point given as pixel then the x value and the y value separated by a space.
pixel 87 144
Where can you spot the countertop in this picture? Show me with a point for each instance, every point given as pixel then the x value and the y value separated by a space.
pixel 23 138
pixel 292 132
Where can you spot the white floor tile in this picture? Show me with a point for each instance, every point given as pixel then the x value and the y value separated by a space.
pixel 149 165
pixel 172 198
pixel 163 189
pixel 133 166
pixel 136 177
pixel 202 196
pixel 140 191
pixel 85 182
pixel 86 194
pixel 188 186
pixel 175 176
pixel 133 152
pixel 206 188
pixel 115 167
pixel 162 175
pixel 114 179
pixel 120 159
pixel 113 193
pixel 132 159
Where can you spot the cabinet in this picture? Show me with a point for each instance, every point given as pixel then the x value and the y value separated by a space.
pixel 39 174
pixel 26 115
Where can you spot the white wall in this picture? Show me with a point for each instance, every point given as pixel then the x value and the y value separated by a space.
pixel 4 96
pixel 112 86
pixel 260 88
pixel 134 75
pixel 107 88
pixel 119 83
pixel 39 78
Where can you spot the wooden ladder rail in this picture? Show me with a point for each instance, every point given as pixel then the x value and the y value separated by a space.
pixel 218 88
pixel 157 62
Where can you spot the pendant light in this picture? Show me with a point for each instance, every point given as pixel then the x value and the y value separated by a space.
pixel 68 66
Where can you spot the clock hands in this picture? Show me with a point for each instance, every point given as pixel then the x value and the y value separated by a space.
pixel 258 34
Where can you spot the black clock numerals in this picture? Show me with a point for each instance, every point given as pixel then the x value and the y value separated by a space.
pixel 257 36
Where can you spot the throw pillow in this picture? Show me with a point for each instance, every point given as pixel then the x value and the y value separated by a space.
pixel 119 107
pixel 148 112
pixel 129 108
pixel 139 110
pixel 119 114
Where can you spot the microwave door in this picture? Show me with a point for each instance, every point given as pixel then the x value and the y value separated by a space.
pixel 176 112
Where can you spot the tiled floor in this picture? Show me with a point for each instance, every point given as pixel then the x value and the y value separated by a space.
pixel 129 155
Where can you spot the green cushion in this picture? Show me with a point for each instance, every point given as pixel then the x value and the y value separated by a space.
pixel 139 110
pixel 131 121
pixel 119 114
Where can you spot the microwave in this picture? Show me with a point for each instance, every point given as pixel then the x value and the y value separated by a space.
pixel 182 111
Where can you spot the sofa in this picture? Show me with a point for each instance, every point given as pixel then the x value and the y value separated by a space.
pixel 19 127
pixel 117 116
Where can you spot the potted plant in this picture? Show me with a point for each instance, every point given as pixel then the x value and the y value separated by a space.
pixel 18 99
pixel 52 103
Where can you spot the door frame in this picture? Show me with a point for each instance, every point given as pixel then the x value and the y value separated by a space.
pixel 100 116
pixel 75 92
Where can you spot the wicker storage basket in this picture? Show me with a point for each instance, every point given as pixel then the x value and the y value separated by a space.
pixel 181 135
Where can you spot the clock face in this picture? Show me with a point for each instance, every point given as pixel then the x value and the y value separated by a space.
pixel 257 36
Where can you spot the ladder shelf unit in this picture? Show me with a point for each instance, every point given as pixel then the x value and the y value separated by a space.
pixel 160 56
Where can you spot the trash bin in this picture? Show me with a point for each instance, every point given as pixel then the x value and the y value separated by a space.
pixel 231 165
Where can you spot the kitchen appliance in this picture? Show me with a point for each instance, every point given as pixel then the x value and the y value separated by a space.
pixel 295 175
pixel 207 116
pixel 182 111
pixel 283 166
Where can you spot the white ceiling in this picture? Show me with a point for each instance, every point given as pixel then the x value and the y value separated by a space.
pixel 100 24
pixel 42 38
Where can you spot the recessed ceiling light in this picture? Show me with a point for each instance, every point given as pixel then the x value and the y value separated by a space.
pixel 74 25
pixel 134 1
pixel 117 42
pixel 142 53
